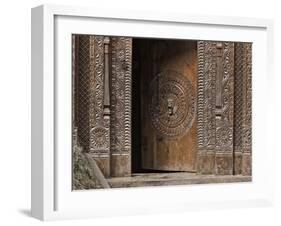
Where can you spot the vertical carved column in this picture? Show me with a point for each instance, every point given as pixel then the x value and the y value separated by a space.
pixel 206 107
pixel 81 90
pixel 247 123
pixel 121 59
pixel 243 108
pixel 215 107
pixel 102 100
pixel 99 103
pixel 224 113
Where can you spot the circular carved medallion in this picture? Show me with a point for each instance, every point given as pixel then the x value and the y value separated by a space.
pixel 172 104
pixel 223 136
pixel 100 137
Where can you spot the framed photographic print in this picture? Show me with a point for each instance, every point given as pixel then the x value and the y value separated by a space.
pixel 134 112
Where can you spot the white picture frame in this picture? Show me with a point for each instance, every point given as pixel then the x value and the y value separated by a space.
pixel 52 196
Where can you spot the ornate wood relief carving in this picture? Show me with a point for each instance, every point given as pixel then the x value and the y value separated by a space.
pixel 102 116
pixel 224 112
pixel 82 90
pixel 100 138
pixel 121 59
pixel 206 95
pixel 215 107
pixel 224 120
pixel 92 117
pixel 99 107
pixel 99 131
pixel 103 88
pixel 238 106
pixel 247 123
pixel 243 108
pixel 206 107
pixel 121 94
pixel 172 104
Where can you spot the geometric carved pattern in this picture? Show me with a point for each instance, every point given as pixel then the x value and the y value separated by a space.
pixel 224 108
pixel 89 90
pixel 172 104
pixel 99 127
pixel 243 108
pixel 238 92
pixel 224 101
pixel 99 138
pixel 224 114
pixel 82 91
pixel 121 61
pixel 247 122
pixel 206 95
pixel 102 98
pixel 215 106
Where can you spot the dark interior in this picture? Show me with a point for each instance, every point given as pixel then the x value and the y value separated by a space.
pixel 139 44
pixel 136 98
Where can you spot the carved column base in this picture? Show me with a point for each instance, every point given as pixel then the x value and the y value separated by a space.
pixel 120 165
pixel 103 162
pixel 224 164
pixel 237 158
pixel 247 164
pixel 206 163
pixel 242 163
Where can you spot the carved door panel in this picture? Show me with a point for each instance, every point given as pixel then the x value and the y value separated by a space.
pixel 168 71
pixel 193 104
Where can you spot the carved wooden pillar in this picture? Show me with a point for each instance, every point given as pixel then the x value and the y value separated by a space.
pixel 121 60
pixel 206 107
pixel 215 107
pixel 243 108
pixel 102 100
pixel 99 103
pixel 224 112
pixel 81 89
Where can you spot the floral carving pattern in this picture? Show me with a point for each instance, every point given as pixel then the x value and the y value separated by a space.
pixel 206 95
pixel 215 103
pixel 172 106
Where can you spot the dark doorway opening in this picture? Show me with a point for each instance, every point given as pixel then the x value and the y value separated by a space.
pixel 136 107
pixel 150 57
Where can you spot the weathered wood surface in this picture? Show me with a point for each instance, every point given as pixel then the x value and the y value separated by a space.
pixel 215 107
pixel 102 105
pixel 195 100
pixel 243 109
pixel 168 71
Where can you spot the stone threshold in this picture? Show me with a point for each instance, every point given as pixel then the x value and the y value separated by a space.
pixel 178 178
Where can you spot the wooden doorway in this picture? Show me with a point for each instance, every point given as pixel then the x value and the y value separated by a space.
pixel 164 117
pixel 144 108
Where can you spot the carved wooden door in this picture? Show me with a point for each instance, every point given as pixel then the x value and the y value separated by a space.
pixel 192 111
pixel 168 71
